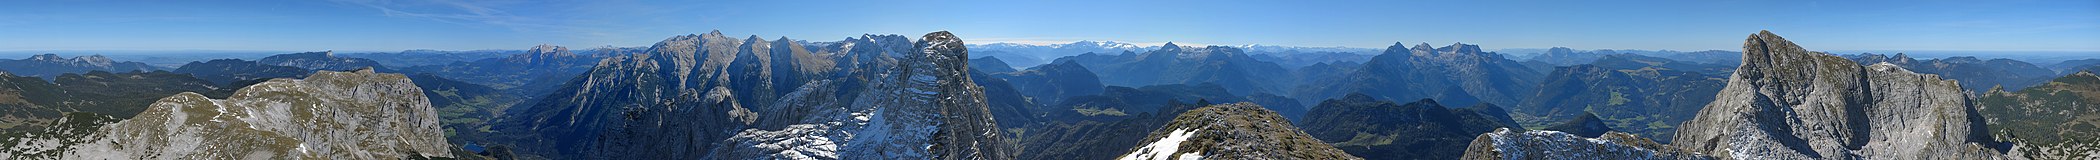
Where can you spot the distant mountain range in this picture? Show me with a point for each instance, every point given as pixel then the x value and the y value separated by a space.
pixel 1458 74
pixel 1977 75
pixel 50 66
pixel 1174 64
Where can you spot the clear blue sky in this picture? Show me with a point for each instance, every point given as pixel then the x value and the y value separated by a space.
pixel 377 25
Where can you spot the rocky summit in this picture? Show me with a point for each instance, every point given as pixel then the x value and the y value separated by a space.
pixel 329 115
pixel 1232 131
pixel 1785 102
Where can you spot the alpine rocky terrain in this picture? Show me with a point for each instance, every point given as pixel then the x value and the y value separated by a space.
pixel 1232 131
pixel 358 115
pixel 2048 121
pixel 31 104
pixel 716 97
pixel 1785 102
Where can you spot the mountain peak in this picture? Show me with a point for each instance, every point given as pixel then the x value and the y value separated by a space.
pixel 1423 48
pixel 945 44
pixel 1462 48
pixel 46 57
pixel 1397 46
pixel 545 48
pixel 1586 125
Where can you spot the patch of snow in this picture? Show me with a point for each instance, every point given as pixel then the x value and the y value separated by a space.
pixel 1162 149
pixel 1192 156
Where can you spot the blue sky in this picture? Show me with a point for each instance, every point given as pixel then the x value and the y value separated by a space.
pixel 379 25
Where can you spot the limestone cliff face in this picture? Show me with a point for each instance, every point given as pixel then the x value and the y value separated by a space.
pixel 328 115
pixel 1785 102
pixel 1232 131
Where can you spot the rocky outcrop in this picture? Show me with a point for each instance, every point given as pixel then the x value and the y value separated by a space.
pixel 1587 125
pixel 1785 102
pixel 1539 144
pixel 1232 131
pixel 329 115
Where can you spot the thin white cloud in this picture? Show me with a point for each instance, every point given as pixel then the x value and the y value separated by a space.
pixel 1050 41
pixel 463 12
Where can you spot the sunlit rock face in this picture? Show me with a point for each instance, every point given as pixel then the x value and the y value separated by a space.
pixel 1785 102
